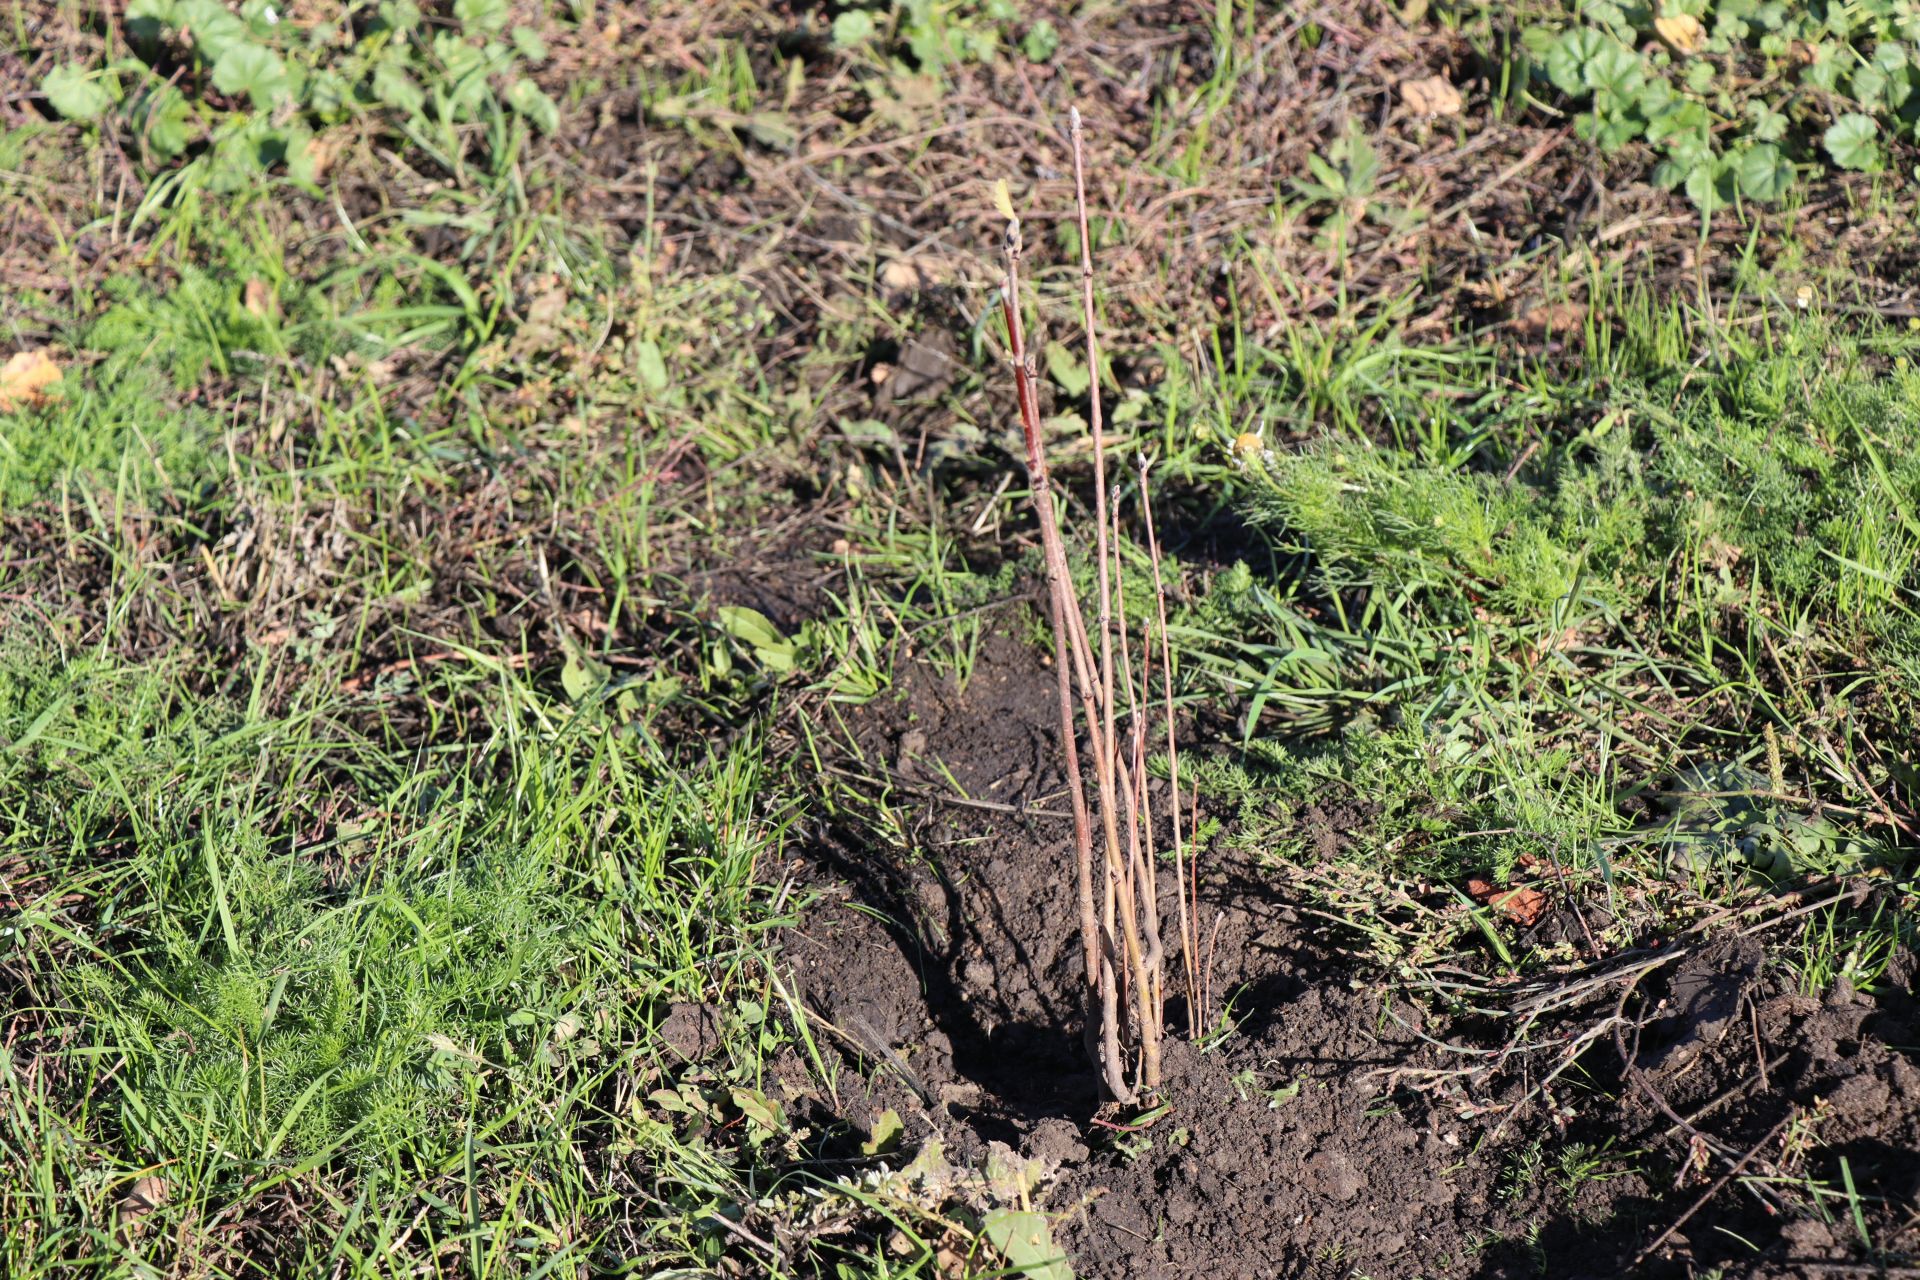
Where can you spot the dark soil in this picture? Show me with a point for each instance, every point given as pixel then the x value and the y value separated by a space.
pixel 1297 1146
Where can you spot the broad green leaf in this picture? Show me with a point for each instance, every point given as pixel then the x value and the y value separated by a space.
pixel 1567 59
pixel 1671 173
pixel 1681 121
pixel 1824 71
pixel 75 94
pixel 1768 125
pixel 165 121
pixel 148 21
pixel 393 86
pixel 1616 71
pixel 527 98
pixel 300 159
pixel 235 162
pixel 254 70
pixel 213 26
pixel 1066 370
pixel 1610 130
pixel 649 365
pixel 1611 15
pixel 328 95
pixel 1041 41
pixel 1763 172
pixel 1712 186
pixel 483 15
pixel 755 630
pixel 855 26
pixel 1869 85
pixel 886 1134
pixel 750 626
pixel 772 129
pixel 1332 181
pixel 1023 1238
pixel 529 43
pixel 577 678
pixel 1853 142
pixel 400 15
pixel 462 91
pixel 1892 57
pixel 759 1109
pixel 1900 86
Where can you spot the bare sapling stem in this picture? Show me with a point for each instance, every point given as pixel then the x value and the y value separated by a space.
pixel 1108 759
pixel 1119 902
pixel 1140 899
pixel 1189 926
pixel 1070 653
pixel 1142 909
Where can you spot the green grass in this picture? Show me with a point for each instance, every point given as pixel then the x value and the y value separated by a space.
pixel 434 982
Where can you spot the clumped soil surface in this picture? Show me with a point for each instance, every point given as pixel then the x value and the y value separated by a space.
pixel 1302 1143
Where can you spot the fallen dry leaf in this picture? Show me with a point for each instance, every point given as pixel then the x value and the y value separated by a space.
pixel 142 1198
pixel 1552 317
pixel 909 275
pixel 1522 906
pixel 322 150
pixel 258 298
pixel 1431 96
pixel 899 277
pixel 1681 30
pixel 25 377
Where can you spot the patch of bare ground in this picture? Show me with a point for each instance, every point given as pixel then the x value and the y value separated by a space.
pixel 846 183
pixel 1349 1123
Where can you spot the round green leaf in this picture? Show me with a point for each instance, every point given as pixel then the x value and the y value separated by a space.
pixel 254 70
pixel 486 15
pixel 1869 85
pixel 527 98
pixel 1824 71
pixel 1763 173
pixel 297 154
pixel 147 21
pixel 855 26
pixel 75 94
pixel 400 15
pixel 529 43
pixel 215 28
pixel 1853 142
pixel 1711 186
pixel 328 94
pixel 393 86
pixel 1041 42
pixel 1567 59
pixel 165 121
pixel 1671 173
pixel 1616 73
pixel 650 365
pixel 1768 125
pixel 235 161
